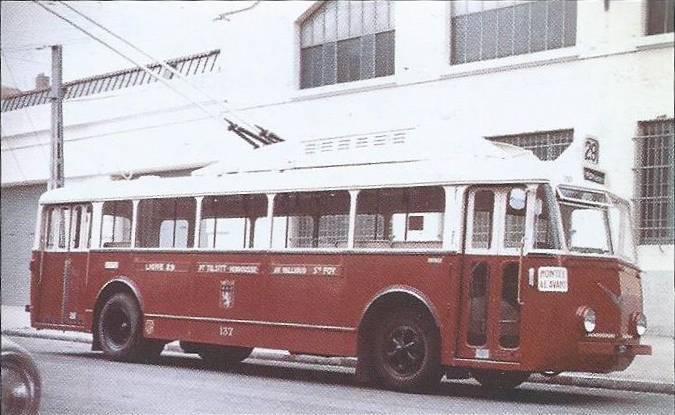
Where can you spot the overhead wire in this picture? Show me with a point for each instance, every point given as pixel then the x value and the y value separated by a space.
pixel 265 137
pixel 163 64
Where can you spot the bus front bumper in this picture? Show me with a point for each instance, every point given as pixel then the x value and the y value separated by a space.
pixel 613 349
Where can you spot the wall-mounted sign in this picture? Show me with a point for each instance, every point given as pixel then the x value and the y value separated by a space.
pixel 591 150
pixel 593 175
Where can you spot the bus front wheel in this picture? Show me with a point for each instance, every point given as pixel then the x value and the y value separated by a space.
pixel 406 352
pixel 499 379
pixel 120 328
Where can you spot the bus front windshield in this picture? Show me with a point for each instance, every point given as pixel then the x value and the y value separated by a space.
pixel 586 228
pixel 602 226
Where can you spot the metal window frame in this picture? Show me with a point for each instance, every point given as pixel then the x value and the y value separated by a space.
pixel 319 13
pixel 546 145
pixel 457 60
pixel 654 207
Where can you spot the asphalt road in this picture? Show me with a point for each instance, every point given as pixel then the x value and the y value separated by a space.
pixel 79 381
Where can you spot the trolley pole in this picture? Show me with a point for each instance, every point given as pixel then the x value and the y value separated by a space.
pixel 56 160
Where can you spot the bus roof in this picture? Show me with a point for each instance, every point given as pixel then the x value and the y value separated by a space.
pixel 492 164
pixel 411 173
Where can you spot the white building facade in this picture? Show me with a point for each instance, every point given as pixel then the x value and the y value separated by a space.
pixel 329 76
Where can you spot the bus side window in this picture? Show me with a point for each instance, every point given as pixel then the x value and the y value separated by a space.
pixel 478 305
pixel 509 311
pixel 58 228
pixel 166 223
pixel 116 224
pixel 514 225
pixel 311 219
pixel 483 211
pixel 400 218
pixel 80 227
pixel 229 222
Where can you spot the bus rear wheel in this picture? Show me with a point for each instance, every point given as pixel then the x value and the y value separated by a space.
pixel 499 379
pixel 120 329
pixel 406 352
pixel 223 356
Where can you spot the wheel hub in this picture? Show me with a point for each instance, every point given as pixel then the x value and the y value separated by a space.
pixel 404 350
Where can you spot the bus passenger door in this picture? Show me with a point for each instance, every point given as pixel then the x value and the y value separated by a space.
pixel 63 267
pixel 490 304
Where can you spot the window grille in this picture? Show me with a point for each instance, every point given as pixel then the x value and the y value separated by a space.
pixel 483 30
pixel 345 41
pixel 660 16
pixel 546 145
pixel 189 65
pixel 654 182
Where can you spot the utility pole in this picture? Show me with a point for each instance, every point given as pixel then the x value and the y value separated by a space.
pixel 56 161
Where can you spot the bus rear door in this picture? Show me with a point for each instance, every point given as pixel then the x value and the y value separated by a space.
pixel 63 265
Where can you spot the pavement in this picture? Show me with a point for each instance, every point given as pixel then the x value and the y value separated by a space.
pixel 653 373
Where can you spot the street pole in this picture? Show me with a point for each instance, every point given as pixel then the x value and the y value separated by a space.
pixel 56 161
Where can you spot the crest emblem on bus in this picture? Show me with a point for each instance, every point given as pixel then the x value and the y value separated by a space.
pixel 149 327
pixel 226 294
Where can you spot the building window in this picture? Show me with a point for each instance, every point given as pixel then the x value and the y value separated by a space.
pixel 660 16
pixel 546 145
pixel 654 182
pixel 483 30
pixel 346 41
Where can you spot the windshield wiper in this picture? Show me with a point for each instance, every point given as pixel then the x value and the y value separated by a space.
pixel 589 250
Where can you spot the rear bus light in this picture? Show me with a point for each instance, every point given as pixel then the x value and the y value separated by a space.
pixel 587 318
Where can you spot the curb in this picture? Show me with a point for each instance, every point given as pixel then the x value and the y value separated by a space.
pixel 605 382
pixel 580 380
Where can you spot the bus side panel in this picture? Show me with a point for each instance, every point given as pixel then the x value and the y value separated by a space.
pixel 164 283
pixel 75 288
pixel 228 298
pixel 49 289
pixel 429 276
pixel 305 297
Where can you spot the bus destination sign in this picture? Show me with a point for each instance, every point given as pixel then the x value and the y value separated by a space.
pixel 552 279
pixel 290 269
pixel 228 268
pixel 157 266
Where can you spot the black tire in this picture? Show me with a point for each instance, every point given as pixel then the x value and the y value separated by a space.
pixel 219 357
pixel 499 379
pixel 406 352
pixel 21 382
pixel 120 329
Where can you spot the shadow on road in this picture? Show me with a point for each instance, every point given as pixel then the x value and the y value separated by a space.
pixel 528 393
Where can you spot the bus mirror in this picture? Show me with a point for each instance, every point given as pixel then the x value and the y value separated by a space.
pixel 517 198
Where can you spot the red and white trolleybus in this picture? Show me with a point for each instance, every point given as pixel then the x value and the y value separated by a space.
pixel 492 265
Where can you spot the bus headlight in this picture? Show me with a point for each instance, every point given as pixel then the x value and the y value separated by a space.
pixel 639 324
pixel 587 318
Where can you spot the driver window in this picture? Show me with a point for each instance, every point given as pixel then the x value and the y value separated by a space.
pixel 514 230
pixel 544 226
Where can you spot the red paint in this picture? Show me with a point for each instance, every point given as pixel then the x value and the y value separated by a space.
pixel 316 313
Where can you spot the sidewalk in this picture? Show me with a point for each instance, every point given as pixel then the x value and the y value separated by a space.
pixel 653 373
